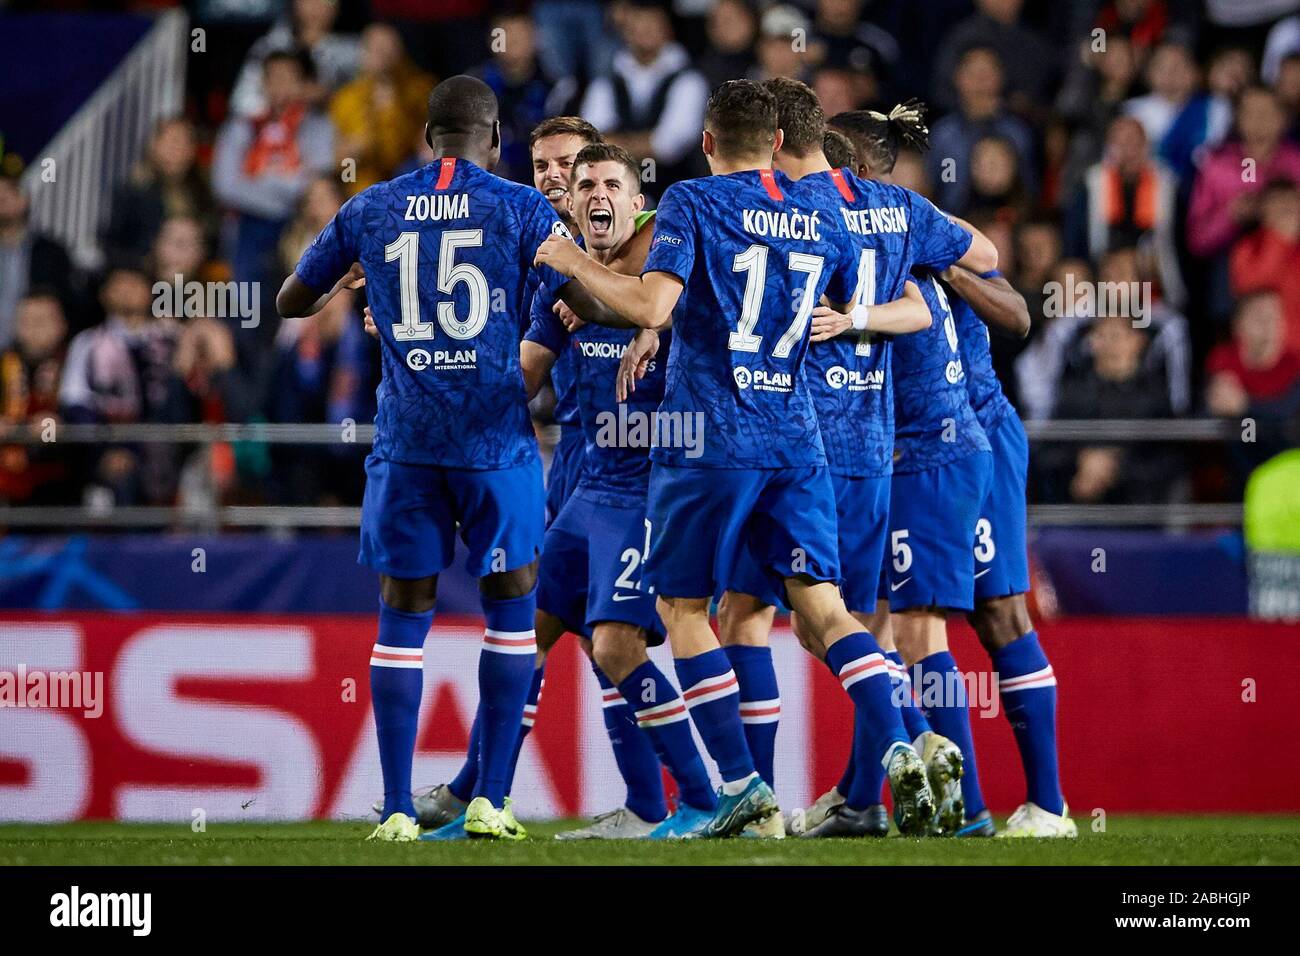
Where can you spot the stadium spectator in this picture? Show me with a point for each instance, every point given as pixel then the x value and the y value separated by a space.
pixel 732 29
pixel 1268 259
pixel 853 43
pixel 652 103
pixel 1064 308
pixel 1125 200
pixel 1256 375
pixel 377 115
pixel 1115 384
pixel 997 187
pixel 1287 88
pixel 980 112
pixel 179 251
pixel 572 38
pixel 1143 23
pixel 786 46
pixel 167 183
pixel 309 27
pixel 1094 93
pixel 840 90
pixel 1029 61
pixel 525 96
pixel 1225 197
pixel 27 260
pixel 118 370
pixel 1177 118
pixel 262 166
pixel 306 356
pixel 29 397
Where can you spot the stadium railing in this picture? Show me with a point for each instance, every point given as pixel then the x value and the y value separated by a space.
pixel 96 149
pixel 1171 515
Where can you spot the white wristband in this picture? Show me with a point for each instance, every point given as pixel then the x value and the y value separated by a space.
pixel 859 317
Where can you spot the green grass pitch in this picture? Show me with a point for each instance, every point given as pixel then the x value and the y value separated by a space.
pixel 1127 840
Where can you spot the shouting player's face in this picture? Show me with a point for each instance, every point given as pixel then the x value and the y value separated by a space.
pixel 605 199
pixel 552 163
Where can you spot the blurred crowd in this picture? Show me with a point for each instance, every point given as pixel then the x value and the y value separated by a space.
pixel 1137 163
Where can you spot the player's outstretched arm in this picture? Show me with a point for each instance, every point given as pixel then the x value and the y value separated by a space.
pixel 982 256
pixel 297 299
pixel 646 301
pixel 907 313
pixel 993 299
pixel 536 360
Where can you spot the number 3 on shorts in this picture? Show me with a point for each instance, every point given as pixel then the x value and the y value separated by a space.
pixel 985 549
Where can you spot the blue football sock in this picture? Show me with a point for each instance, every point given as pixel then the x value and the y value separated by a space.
pixel 913 719
pixel 712 697
pixel 850 768
pixel 1028 689
pixel 661 714
pixel 505 672
pixel 943 700
pixel 526 725
pixel 462 785
pixel 634 752
pixel 860 666
pixel 396 683
pixel 760 703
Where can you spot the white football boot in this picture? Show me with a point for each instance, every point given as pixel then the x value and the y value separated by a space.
pixel 1031 820
pixel 620 824
pixel 804 819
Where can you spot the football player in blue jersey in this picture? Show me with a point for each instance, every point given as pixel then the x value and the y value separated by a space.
pixel 739 261
pixel 1001 618
pixel 554 145
pixel 590 580
pixel 454 447
pixel 999 575
pixel 849 372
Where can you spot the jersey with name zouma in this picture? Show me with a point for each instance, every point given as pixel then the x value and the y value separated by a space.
pixel 454 236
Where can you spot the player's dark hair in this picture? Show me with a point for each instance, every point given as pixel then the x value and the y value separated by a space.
pixel 461 106
pixel 741 115
pixel 877 137
pixel 609 153
pixel 839 150
pixel 564 126
pixel 799 114
pixel 297 56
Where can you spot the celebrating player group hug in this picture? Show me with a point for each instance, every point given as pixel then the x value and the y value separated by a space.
pixel 774 391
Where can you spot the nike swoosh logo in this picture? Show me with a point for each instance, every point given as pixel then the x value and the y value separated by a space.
pixel 980 574
pixel 895 587
pixel 625 597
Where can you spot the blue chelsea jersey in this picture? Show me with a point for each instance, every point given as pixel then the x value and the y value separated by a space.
pixel 755 251
pixel 448 252
pixel 982 386
pixel 616 462
pixel 934 421
pixel 891 229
